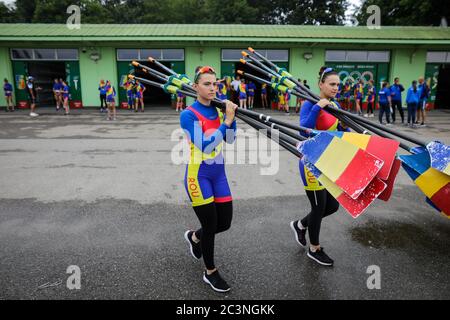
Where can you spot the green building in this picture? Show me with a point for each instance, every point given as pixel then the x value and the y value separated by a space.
pixel 93 52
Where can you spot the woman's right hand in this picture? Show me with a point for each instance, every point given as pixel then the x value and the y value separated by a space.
pixel 323 103
pixel 230 112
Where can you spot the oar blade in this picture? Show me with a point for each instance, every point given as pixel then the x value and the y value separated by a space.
pixel 355 207
pixel 433 183
pixel 440 156
pixel 350 167
pixel 386 194
pixel 382 148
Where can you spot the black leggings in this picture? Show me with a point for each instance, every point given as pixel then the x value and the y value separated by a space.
pixel 102 99
pixel 214 218
pixel 370 107
pixel 322 204
pixel 398 105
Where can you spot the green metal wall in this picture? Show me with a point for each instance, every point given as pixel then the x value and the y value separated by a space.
pixel 92 72
pixel 201 56
pixel 6 71
pixel 408 65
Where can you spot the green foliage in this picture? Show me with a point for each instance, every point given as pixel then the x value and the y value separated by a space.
pixel 407 12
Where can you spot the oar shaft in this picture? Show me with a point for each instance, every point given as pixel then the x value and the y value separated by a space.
pixel 263 66
pixel 163 67
pixel 260 80
pixel 137 64
pixel 268 132
pixel 256 68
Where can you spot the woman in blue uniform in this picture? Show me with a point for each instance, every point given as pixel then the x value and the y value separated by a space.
pixel 205 180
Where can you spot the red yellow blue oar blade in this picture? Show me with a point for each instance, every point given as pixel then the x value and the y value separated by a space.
pixel 382 148
pixel 440 156
pixel 355 207
pixel 433 183
pixel 386 194
pixel 346 165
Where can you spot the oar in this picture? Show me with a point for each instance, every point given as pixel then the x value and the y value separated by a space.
pixel 433 183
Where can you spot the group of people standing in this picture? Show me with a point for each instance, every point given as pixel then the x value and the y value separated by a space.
pixel 389 100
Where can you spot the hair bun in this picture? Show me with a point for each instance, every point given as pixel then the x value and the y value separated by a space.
pixel 321 70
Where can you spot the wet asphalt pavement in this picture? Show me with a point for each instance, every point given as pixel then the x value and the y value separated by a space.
pixel 106 197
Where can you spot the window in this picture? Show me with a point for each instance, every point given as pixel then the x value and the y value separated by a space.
pixel 231 55
pixel 66 54
pixel 143 54
pixel 44 54
pixel 154 53
pixel 276 55
pixel 356 56
pixel 127 54
pixel 172 54
pixel 21 54
pixel 438 56
pixel 335 55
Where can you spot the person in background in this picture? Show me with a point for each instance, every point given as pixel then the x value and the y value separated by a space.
pixel 235 89
pixel 412 101
pixel 242 90
pixel 264 102
pixel 8 89
pixel 251 87
pixel 180 99
pixel 424 95
pixel 384 99
pixel 57 88
pixel 32 95
pixel 65 97
pixel 287 98
pixel 359 96
pixel 140 88
pixel 102 90
pixel 371 92
pixel 110 94
pixel 306 84
pixel 396 98
pixel 298 101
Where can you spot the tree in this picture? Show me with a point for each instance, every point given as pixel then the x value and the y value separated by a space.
pixel 7 14
pixel 406 12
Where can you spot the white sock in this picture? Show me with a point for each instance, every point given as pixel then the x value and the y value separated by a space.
pixel 299 224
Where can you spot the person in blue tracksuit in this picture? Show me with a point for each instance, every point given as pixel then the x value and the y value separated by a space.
pixel 412 100
pixel 396 99
pixel 384 99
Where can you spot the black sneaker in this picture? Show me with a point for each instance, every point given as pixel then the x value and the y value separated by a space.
pixel 320 257
pixel 216 282
pixel 299 233
pixel 196 249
